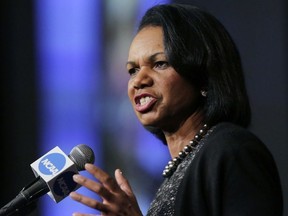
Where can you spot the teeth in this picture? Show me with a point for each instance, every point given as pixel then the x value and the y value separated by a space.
pixel 145 100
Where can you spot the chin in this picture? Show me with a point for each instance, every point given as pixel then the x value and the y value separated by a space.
pixel 147 120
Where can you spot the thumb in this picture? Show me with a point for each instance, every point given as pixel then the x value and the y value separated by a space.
pixel 126 188
pixel 123 183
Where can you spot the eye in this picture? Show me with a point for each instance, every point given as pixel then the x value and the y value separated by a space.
pixel 161 65
pixel 132 71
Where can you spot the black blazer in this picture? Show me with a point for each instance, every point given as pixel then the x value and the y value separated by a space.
pixel 233 175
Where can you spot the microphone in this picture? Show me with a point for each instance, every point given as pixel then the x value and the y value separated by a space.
pixel 54 172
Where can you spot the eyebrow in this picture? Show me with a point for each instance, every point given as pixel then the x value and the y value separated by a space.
pixel 150 59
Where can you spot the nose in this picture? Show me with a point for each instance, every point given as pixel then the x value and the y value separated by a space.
pixel 142 78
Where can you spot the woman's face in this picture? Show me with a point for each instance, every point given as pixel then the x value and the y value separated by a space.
pixel 159 95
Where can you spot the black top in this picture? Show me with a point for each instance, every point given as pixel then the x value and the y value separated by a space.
pixel 233 174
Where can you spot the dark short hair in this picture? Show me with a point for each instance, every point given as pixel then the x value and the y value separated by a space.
pixel 200 49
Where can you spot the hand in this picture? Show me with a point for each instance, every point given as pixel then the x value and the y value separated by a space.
pixel 117 195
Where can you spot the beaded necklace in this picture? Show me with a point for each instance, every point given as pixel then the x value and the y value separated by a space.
pixel 188 149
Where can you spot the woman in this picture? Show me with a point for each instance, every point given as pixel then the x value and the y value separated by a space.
pixel 187 87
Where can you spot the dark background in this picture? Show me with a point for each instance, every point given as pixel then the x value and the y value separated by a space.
pixel 259 28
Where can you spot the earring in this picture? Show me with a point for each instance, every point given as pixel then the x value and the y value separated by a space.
pixel 203 93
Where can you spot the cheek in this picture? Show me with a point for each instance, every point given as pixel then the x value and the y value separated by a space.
pixel 130 91
pixel 180 92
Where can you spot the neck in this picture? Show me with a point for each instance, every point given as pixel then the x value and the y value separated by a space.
pixel 185 133
pixel 188 149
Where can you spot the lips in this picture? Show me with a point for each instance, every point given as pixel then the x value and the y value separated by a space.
pixel 144 102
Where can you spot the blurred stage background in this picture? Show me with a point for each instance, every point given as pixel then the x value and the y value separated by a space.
pixel 64 83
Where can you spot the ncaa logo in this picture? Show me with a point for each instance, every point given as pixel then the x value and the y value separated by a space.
pixel 52 164
pixel 64 184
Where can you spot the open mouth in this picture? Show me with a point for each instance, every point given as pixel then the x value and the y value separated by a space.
pixel 144 103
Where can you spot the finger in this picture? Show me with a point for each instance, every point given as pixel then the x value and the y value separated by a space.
pixel 123 183
pixel 103 177
pixel 88 202
pixel 93 186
